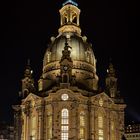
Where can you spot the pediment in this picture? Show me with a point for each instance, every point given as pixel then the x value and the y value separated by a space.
pixel 102 99
pixel 31 97
pixel 57 96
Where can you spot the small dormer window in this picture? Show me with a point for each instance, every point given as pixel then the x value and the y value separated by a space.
pixel 48 56
pixel 88 56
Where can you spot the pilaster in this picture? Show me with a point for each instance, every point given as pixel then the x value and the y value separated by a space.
pixel 40 111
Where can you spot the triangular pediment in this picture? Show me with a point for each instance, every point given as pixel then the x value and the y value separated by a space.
pixel 31 97
pixel 102 98
pixel 104 95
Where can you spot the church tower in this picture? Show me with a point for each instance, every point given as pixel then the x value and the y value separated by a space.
pixel 68 104
pixel 111 82
pixel 27 81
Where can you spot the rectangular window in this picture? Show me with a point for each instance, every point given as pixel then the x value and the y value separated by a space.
pixel 100 132
pixel 64 136
pixel 100 128
pixel 64 129
pixel 65 121
pixel 100 122
pixel 33 128
pixel 82 133
pixel 100 138
pixel 82 120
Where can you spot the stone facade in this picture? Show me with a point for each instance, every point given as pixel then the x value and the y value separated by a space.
pixel 68 104
pixel 39 111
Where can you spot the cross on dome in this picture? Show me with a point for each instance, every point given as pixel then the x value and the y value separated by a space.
pixel 71 2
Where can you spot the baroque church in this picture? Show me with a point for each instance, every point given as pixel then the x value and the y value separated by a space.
pixel 67 104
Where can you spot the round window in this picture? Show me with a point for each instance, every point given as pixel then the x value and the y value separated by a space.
pixel 64 97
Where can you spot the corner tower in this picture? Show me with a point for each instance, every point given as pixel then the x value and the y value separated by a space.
pixel 27 81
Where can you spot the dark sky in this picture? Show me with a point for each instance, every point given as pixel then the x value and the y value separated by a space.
pixel 26 28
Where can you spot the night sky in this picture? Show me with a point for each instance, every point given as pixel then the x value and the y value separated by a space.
pixel 26 28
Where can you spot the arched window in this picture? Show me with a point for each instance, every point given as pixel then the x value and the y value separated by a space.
pixel 64 124
pixel 82 125
pixel 100 127
pixel 48 56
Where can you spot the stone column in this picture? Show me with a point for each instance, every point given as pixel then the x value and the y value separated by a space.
pixel 41 111
pixel 73 121
pixel 56 122
pixel 27 128
pixel 26 123
pixel 121 125
pixel 89 126
pixel 24 127
pixel 96 123
pixel 78 19
pixel 61 20
pixel 92 124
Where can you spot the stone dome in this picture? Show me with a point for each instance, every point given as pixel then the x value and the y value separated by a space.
pixel 84 62
pixel 80 49
pixel 81 53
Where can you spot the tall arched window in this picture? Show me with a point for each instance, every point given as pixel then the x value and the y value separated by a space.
pixel 100 127
pixel 82 125
pixel 64 124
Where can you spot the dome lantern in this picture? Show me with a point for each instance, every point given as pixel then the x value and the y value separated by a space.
pixel 69 17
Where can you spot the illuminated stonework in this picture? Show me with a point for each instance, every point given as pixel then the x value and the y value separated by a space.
pixel 132 131
pixel 68 104
pixel 69 14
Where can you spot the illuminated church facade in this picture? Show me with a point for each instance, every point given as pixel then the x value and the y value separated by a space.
pixel 68 104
